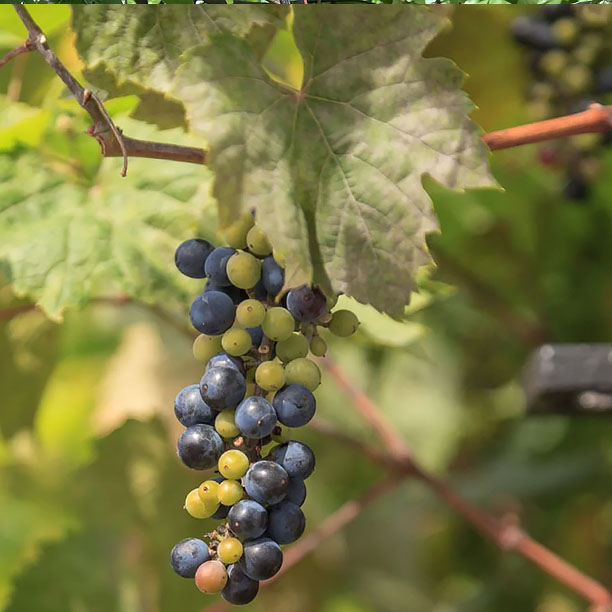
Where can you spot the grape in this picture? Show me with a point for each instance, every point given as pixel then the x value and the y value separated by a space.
pixel 212 313
pixel 296 457
pixel 187 556
pixel 190 408
pixel 211 577
pixel 296 493
pixel 295 405
pixel 247 519
pixel 603 80
pixel 343 323
pixel 226 425
pixel 216 265
pixel 235 293
pixel 261 558
pixel 199 447
pixel 553 62
pixel 205 347
pixel 240 589
pixel 259 291
pixel 270 375
pixel 278 324
pixel 243 270
pixel 257 241
pixel 222 388
pixel 208 492
pixel 565 30
pixel 237 341
pixel 256 334
pixel 577 78
pixel 266 482
pixel 272 275
pixel 306 304
pixel 279 257
pixel 286 522
pixel 197 508
pixel 233 464
pixel 576 188
pixel 304 372
pixel 293 347
pixel 223 360
pixel 236 233
pixel 221 513
pixel 318 346
pixel 533 33
pixel 255 417
pixel 230 492
pixel 250 313
pixel 229 550
pixel 191 255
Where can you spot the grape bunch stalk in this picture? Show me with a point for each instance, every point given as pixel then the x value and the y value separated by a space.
pixel 570 59
pixel 257 387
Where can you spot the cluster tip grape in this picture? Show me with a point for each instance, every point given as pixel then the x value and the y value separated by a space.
pixel 256 389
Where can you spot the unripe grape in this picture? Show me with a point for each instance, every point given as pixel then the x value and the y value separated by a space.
pixel 565 30
pixel 553 62
pixel 270 375
pixel 304 372
pixel 211 577
pixel 250 313
pixel 225 424
pixel 318 346
pixel 229 550
pixel 243 270
pixel 278 324
pixel 208 492
pixel 293 347
pixel 236 341
pixel 257 241
pixel 205 347
pixel 236 234
pixel 343 323
pixel 197 508
pixel 230 492
pixel 233 464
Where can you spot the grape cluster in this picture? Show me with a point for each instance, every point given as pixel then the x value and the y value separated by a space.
pixel 257 386
pixel 570 59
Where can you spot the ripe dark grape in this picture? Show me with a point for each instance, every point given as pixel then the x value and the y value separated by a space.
pixel 216 265
pixel 190 408
pixel 286 522
pixel 296 458
pixel 256 334
pixel 266 482
pixel 306 304
pixel 255 417
pixel 199 447
pixel 261 559
pixel 191 255
pixel 536 34
pixel 236 294
pixel 603 80
pixel 296 493
pixel 272 276
pixel 212 313
pixel 188 555
pixel 295 405
pixel 240 589
pixel 247 519
pixel 223 360
pixel 223 388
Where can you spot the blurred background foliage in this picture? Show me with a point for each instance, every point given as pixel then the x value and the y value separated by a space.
pixel 90 487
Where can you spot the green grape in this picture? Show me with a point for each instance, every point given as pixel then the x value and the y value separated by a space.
pixel 542 91
pixel 243 270
pixel 281 433
pixel 332 300
pixel 205 347
pixel 576 78
pixel 279 257
pixel 553 62
pixel 208 492
pixel 278 324
pixel 293 347
pixel 270 375
pixel 230 492
pixel 229 550
pixel 233 464
pixel 236 341
pixel 343 323
pixel 304 372
pixel 211 577
pixel 225 424
pixel 565 30
pixel 197 508
pixel 236 234
pixel 257 241
pixel 595 16
pixel 250 313
pixel 318 346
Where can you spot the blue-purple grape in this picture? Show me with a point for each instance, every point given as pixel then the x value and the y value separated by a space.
pixel 222 388
pixel 199 447
pixel 272 276
pixel 286 522
pixel 191 255
pixel 266 482
pixel 216 265
pixel 212 313
pixel 190 408
pixel 255 417
pixel 296 493
pixel 295 457
pixel 240 589
pixel 306 303
pixel 188 555
pixel 295 405
pixel 261 559
pixel 247 519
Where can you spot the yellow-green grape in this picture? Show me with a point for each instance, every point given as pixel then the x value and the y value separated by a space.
pixel 229 550
pixel 318 346
pixel 281 433
pixel 225 424
pixel 304 372
pixel 586 142
pixel 270 375
pixel 205 347
pixel 233 464
pixel 250 313
pixel 553 62
pixel 344 323
pixel 565 30
pixel 197 508
pixel 595 16
pixel 236 341
pixel 576 78
pixel 258 242
pixel 332 300
pixel 278 324
pixel 236 234
pixel 279 257
pixel 230 492
pixel 293 347
pixel 211 577
pixel 542 91
pixel 243 270
pixel 208 491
